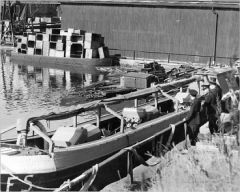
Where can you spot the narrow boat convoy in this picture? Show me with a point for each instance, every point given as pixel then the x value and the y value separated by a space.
pixel 46 159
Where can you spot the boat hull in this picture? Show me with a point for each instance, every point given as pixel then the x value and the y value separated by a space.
pixel 73 161
pixel 49 180
pixel 77 65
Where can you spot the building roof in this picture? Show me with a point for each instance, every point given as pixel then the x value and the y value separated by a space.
pixel 186 3
pixel 235 4
pixel 34 1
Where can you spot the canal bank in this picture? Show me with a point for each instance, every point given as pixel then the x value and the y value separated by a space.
pixel 204 167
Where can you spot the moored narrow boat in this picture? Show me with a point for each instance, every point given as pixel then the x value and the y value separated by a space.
pixel 62 158
pixel 46 161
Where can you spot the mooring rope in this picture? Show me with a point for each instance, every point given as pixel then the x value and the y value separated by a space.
pixel 173 127
pixel 91 178
pixel 26 183
pixel 69 184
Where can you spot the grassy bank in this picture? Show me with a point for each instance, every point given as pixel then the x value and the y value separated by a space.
pixel 209 166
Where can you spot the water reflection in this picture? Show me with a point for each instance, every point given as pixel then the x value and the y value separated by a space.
pixel 29 91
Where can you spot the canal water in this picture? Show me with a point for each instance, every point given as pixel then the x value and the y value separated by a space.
pixel 27 91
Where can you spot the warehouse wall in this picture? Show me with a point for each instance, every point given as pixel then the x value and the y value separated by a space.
pixel 176 30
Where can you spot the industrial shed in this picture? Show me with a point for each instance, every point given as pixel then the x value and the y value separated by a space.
pixel 180 27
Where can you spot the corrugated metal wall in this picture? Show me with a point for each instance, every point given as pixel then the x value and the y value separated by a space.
pixel 176 30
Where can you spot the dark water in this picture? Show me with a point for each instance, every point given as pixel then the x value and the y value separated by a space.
pixel 27 91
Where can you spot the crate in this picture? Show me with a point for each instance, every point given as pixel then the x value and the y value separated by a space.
pixel 45 37
pixel 52 52
pixel 59 46
pixel 39 37
pixel 30 51
pixel 103 52
pixel 39 45
pixel 24 40
pixel 79 32
pixel 77 38
pixel 38 51
pixel 52 45
pixel 23 46
pixel 91 44
pixel 138 80
pixel 57 38
pixel 91 53
pixel 31 37
pixel 59 53
pixel 31 44
pixel 92 37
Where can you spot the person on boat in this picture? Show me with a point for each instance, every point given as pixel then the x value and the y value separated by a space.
pixel 210 107
pixel 215 88
pixel 193 118
pixel 230 111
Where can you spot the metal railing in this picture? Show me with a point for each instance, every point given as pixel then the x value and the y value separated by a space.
pixel 171 57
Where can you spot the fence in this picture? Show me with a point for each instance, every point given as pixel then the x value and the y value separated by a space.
pixel 170 57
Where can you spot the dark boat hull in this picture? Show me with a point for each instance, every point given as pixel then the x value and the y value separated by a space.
pixel 45 180
pixel 110 172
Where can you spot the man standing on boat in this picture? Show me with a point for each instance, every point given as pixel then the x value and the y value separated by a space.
pixel 193 118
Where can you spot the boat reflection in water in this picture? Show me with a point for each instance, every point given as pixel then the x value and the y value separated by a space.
pixel 27 91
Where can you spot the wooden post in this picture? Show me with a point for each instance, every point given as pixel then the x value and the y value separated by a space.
pixel 130 166
pixel 75 121
pixel 122 125
pixel 48 124
pixel 98 117
pixel 185 132
pixel 116 115
pixel 210 61
pixel 168 57
pixel 160 146
pixel 154 147
pixel 156 100
pixel 135 103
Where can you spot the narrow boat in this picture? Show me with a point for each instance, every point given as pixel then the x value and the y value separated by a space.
pixel 43 161
pixel 48 161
